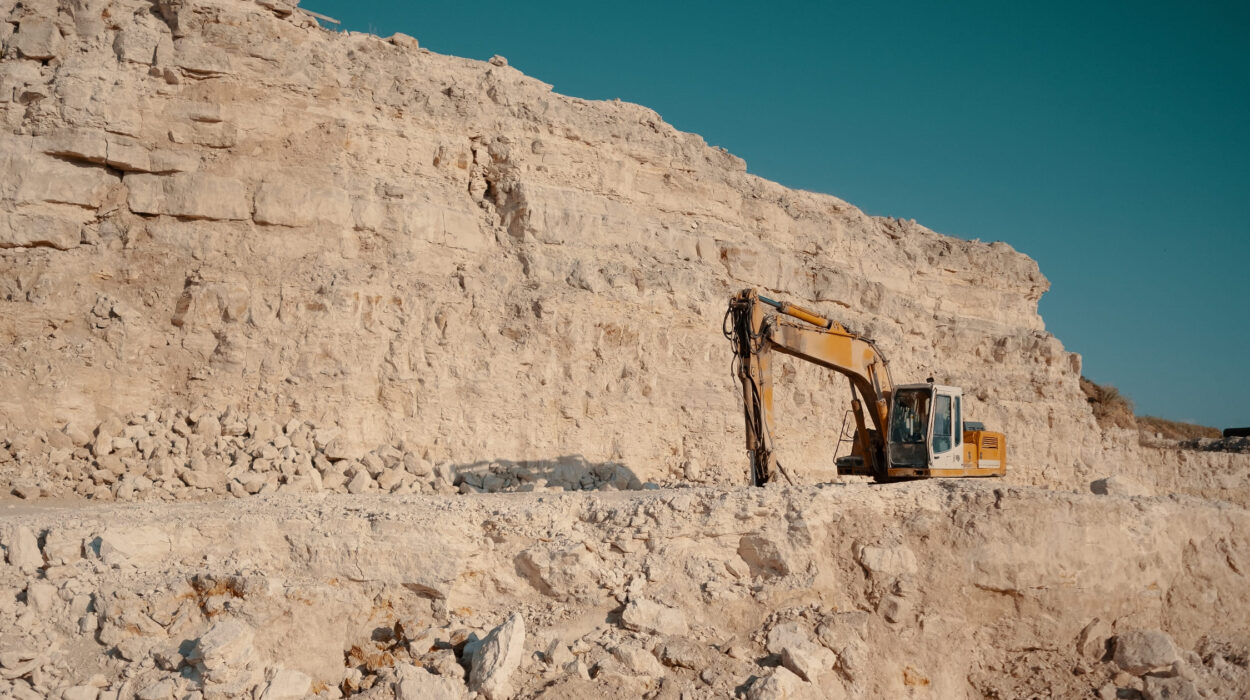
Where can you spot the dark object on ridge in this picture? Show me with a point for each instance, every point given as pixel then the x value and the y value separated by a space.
pixel 1237 432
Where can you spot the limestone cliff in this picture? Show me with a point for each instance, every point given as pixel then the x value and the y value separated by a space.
pixel 218 204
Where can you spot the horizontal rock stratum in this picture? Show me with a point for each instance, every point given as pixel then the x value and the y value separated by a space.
pixel 321 292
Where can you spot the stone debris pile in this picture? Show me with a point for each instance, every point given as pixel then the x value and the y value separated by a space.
pixel 178 455
pixel 1237 444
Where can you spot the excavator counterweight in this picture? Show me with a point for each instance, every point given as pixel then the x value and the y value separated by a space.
pixel 910 431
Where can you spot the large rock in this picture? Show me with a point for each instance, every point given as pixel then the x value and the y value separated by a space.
pixel 1141 651
pixel 808 660
pixel 292 204
pixel 684 653
pixel 562 572
pixel 189 195
pixel 80 692
pixel 650 617
pixel 638 661
pixel 22 548
pixel 497 659
pixel 388 553
pixel 766 555
pixel 62 546
pixel 225 653
pixel 89 145
pixel 799 652
pixel 414 683
pixel 38 38
pixel 781 684
pixel 1091 644
pixel 196 56
pixel 137 43
pixel 164 689
pixel 33 230
pixel 784 634
pixel 40 595
pixel 59 181
pixel 1170 688
pixel 886 561
pixel 134 545
pixel 287 684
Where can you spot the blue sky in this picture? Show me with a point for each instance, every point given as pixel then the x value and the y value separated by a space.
pixel 1110 141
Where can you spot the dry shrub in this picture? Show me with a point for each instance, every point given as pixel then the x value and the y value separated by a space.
pixel 1115 410
pixel 1111 408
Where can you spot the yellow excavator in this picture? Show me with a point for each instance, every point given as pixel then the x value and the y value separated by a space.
pixel 916 431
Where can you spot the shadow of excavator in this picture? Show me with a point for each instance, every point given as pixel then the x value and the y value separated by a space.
pixel 570 472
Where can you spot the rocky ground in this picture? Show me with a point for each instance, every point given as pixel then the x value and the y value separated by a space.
pixel 930 589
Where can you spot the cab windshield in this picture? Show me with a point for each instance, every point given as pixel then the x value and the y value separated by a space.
pixel 911 416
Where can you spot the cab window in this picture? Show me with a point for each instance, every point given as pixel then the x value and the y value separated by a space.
pixel 959 421
pixel 942 424
pixel 911 416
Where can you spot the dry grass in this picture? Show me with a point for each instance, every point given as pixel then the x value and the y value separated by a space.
pixel 1115 410
pixel 1111 408
pixel 1173 430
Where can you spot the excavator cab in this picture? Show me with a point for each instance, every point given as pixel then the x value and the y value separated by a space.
pixel 928 436
pixel 922 427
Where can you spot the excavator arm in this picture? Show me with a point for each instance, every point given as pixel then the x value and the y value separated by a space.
pixel 756 333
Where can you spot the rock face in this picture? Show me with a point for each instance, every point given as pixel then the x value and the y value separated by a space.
pixel 335 227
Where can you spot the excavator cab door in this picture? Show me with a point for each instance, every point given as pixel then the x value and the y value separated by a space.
pixel 910 427
pixel 946 429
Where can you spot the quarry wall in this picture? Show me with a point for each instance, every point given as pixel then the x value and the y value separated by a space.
pixel 219 206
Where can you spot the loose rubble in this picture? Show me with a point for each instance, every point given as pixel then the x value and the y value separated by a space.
pixel 176 455
pixel 1240 445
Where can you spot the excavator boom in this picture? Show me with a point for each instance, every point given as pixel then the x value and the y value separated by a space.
pixel 755 334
